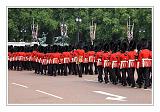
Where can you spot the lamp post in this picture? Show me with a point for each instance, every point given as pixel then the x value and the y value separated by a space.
pixel 78 20
pixel 23 31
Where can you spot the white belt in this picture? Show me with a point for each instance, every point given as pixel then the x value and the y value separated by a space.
pixel 113 63
pixel 145 59
pixel 90 58
pixel 130 62
pixel 122 62
pixel 54 59
pixel 105 61
pixel 65 60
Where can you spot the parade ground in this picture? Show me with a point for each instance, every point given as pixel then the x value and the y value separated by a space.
pixel 25 87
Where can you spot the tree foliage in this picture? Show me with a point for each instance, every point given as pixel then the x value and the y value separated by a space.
pixel 109 21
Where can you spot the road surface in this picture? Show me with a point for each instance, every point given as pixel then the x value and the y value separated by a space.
pixel 25 87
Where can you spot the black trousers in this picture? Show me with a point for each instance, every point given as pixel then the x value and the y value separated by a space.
pixel 14 65
pixel 114 71
pixel 118 75
pixel 100 73
pixel 146 75
pixel 54 69
pixel 28 65
pixel 82 68
pixel 90 69
pixel 150 71
pixel 110 74
pixel 69 68
pixel 10 65
pixel 85 68
pixel 44 67
pixel 60 68
pixel 74 68
pixel 131 76
pixel 19 65
pixel 80 65
pixel 124 80
pixel 106 72
pixel 139 80
pixel 49 69
pixel 66 67
pixel 40 68
pixel 96 69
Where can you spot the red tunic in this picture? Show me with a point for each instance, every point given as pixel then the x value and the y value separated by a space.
pixel 132 59
pixel 114 59
pixel 145 58
pixel 91 56
pixel 75 56
pixel 80 55
pixel 124 60
pixel 105 59
pixel 86 57
pixel 9 56
pixel 98 58
pixel 66 56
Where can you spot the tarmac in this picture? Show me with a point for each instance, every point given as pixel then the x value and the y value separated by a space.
pixel 28 88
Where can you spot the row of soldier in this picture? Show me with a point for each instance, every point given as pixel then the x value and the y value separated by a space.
pixel 119 61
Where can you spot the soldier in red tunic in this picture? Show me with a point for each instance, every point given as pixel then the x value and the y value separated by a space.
pixel 10 57
pixel 98 59
pixel 114 59
pixel 150 68
pixel 80 53
pixel 124 62
pixel 145 61
pixel 66 56
pixel 91 59
pixel 85 62
pixel 74 61
pixel 132 54
pixel 105 62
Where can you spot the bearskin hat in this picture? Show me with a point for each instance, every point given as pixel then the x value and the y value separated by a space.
pixel 144 43
pixel 132 45
pixel 124 46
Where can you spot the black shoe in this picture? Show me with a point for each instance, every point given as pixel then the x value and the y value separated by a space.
pixel 145 87
pixel 139 86
pixel 133 86
pixel 124 84
pixel 106 82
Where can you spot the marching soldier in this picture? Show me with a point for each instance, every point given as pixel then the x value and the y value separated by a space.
pixel 106 63
pixel 80 53
pixel 150 68
pixel 145 61
pixel 66 56
pixel 114 59
pixel 124 62
pixel 91 59
pixel 132 54
pixel 98 59
pixel 85 62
